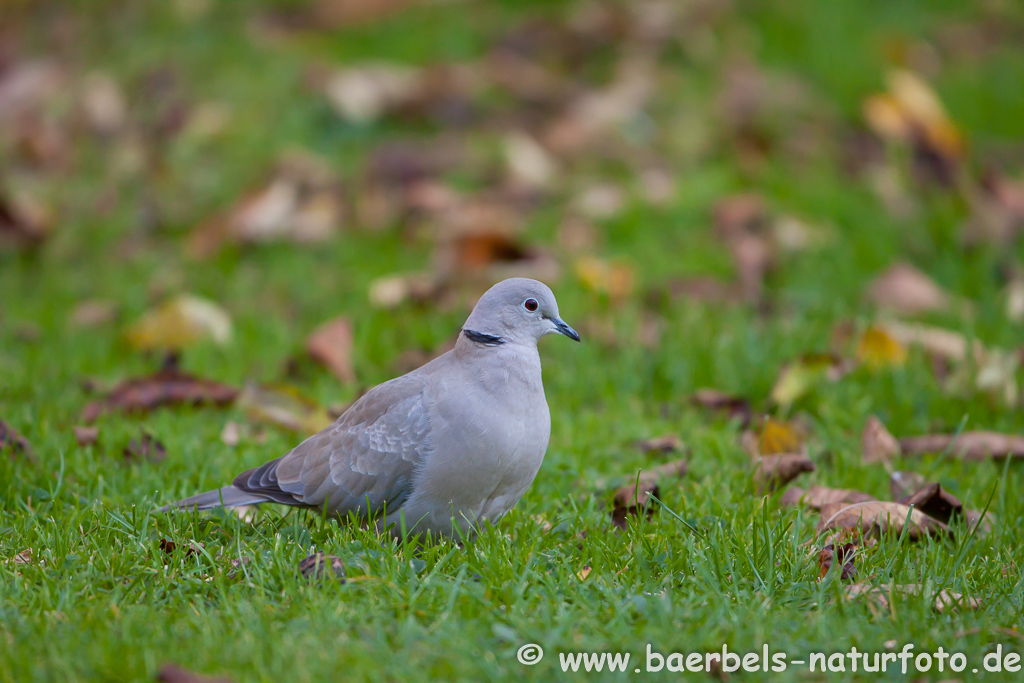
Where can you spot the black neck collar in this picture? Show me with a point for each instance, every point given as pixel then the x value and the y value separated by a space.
pixel 482 338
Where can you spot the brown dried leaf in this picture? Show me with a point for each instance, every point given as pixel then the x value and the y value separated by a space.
pixel 145 449
pixel 933 501
pixel 844 555
pixel 168 386
pixel 635 497
pixel 733 406
pixel 365 93
pixel 86 436
pixel 171 673
pixel 181 322
pixel 169 547
pixel 94 313
pixel 301 203
pixel 906 290
pixel 323 566
pixel 775 471
pixel 818 497
pixel 966 445
pixel 944 344
pixel 283 406
pixel 24 557
pixel 24 221
pixel 876 518
pixel 13 442
pixel 877 444
pixel 529 164
pixel 668 443
pixel 881 595
pixel 331 345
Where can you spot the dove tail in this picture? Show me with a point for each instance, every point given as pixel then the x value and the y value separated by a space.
pixel 228 497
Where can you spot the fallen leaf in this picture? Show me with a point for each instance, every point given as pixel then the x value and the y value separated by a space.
pixel 392 291
pixel 906 290
pixel 24 220
pixel 945 344
pixel 365 93
pixel 179 323
pixel 935 502
pixel 879 349
pixel 876 518
pixel 167 386
pixel 779 437
pixel 877 444
pixel 635 497
pixel 993 371
pixel 283 406
pixel 741 221
pixel 301 203
pixel 331 345
pixel 323 566
pixel 231 434
pixel 12 441
pixel 612 279
pixel 528 162
pixel 169 547
pixel 171 673
pixel 669 443
pixel 146 448
pixel 86 436
pixel 733 406
pixel 880 596
pixel 600 201
pixel 798 378
pixel 24 557
pixel 335 14
pixel 817 497
pixel 966 445
pixel 94 313
pixel 26 85
pixel 844 555
pixel 1015 298
pixel 910 112
pixel 103 104
pixel 772 472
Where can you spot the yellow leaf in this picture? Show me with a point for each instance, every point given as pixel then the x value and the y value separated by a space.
pixel 780 437
pixel 181 322
pixel 879 349
pixel 613 279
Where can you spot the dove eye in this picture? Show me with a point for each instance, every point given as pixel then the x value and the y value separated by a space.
pixel 530 305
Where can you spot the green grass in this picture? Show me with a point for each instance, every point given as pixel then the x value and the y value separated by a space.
pixel 102 601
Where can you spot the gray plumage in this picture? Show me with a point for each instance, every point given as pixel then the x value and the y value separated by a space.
pixel 440 449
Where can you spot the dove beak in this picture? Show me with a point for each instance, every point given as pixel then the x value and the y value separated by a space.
pixel 562 328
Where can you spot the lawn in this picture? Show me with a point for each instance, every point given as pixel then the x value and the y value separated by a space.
pixel 810 208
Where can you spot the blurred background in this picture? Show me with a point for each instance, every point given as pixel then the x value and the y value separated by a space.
pixel 294 201
pixel 221 222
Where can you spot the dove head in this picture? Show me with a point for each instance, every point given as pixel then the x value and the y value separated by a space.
pixel 517 311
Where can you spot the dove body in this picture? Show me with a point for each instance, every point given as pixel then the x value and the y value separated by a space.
pixel 440 450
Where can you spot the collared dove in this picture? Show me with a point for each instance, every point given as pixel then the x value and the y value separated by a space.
pixel 438 450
